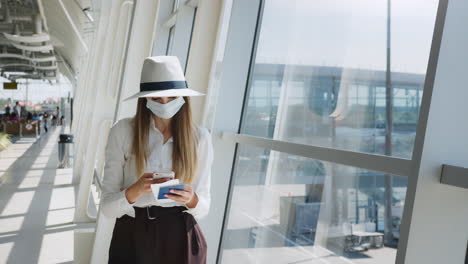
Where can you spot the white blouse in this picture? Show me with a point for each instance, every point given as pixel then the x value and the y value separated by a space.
pixel 120 169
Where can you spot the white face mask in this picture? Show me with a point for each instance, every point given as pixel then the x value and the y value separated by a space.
pixel 165 111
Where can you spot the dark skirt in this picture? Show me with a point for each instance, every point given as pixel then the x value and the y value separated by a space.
pixel 171 237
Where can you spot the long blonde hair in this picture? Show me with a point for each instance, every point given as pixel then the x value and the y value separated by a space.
pixel 184 155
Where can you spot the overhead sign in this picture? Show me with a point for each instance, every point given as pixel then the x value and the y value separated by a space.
pixel 10 86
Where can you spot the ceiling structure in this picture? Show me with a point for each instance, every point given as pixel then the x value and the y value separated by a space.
pixel 41 38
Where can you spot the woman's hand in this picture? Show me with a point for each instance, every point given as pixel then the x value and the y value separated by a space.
pixel 186 197
pixel 142 186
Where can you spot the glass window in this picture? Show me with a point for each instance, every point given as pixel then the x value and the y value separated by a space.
pixel 179 43
pixel 195 10
pixel 170 41
pixel 320 73
pixel 330 73
pixel 217 67
pixel 290 209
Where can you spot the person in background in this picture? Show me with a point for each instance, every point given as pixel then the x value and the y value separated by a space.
pixel 24 112
pixel 62 120
pixel 7 109
pixel 45 120
pixel 17 109
pixel 37 116
pixel 54 120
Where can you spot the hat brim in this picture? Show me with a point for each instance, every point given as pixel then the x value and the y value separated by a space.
pixel 166 93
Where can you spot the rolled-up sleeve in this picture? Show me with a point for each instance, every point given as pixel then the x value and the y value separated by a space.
pixel 113 201
pixel 202 180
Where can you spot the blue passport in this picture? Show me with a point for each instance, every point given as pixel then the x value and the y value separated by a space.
pixel 166 190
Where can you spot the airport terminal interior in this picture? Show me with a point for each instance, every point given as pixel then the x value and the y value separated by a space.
pixel 338 127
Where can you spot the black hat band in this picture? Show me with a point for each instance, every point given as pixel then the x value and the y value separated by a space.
pixel 161 86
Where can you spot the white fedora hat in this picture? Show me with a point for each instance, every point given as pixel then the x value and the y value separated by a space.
pixel 162 76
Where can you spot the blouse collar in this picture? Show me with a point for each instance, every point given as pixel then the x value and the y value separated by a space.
pixel 159 132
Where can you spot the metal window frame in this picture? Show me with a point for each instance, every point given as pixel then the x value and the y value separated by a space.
pixel 183 33
pixel 421 130
pixel 228 133
pixel 85 163
pixel 255 35
pixel 174 35
pixel 195 10
pixel 367 161
pixel 165 19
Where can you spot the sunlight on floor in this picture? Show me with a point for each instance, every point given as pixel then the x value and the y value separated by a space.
pixel 62 198
pixel 37 204
pixel 11 224
pixel 30 182
pixel 64 176
pixel 61 216
pixel 57 247
pixel 19 203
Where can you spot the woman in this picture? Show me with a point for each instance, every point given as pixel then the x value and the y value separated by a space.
pixel 160 137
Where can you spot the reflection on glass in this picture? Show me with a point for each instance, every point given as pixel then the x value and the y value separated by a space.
pixel 320 73
pixel 291 209
pixel 217 68
pixel 175 5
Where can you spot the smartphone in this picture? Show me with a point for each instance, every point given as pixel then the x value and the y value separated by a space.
pixel 163 174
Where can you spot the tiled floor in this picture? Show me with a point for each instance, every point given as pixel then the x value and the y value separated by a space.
pixel 36 203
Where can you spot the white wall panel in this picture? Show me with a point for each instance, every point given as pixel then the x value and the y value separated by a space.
pixel 438 232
